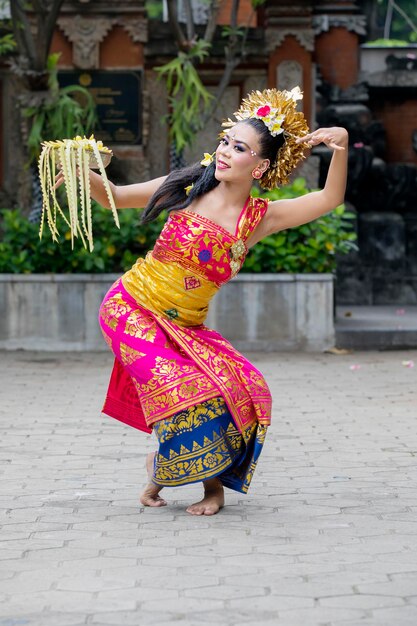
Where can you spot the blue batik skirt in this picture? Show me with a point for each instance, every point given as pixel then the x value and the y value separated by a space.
pixel 202 442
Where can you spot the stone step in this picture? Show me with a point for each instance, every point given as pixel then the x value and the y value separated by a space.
pixel 377 327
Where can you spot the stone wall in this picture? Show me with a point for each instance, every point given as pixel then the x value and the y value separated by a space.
pixel 384 269
pixel 397 112
pixel 337 55
pixel 255 312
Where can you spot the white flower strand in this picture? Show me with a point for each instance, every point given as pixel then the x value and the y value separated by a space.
pixel 81 190
pixel 73 177
pixel 106 182
pixel 49 216
pixel 44 191
pixel 85 171
pixel 51 191
pixel 74 157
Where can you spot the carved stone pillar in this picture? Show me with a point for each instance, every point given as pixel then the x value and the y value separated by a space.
pixel 87 31
pixel 338 27
pixel 290 42
pixel 86 35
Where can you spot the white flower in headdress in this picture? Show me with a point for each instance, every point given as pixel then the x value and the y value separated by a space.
pixel 296 94
pixel 271 118
pixel 275 125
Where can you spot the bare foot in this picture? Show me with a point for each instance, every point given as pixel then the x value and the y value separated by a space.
pixel 149 496
pixel 213 499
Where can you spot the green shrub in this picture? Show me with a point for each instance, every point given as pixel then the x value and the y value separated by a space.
pixel 115 250
pixel 307 249
pixel 311 248
pixel 60 115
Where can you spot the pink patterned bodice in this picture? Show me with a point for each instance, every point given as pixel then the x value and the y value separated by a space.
pixel 191 259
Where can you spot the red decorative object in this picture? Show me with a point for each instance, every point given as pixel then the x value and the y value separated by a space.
pixel 263 111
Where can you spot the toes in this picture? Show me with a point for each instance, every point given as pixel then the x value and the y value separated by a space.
pixel 193 510
pixel 154 502
pixel 150 497
pixel 204 510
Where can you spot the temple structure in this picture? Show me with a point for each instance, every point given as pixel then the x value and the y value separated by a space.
pixel 112 49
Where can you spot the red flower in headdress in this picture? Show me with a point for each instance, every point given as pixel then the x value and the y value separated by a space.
pixel 263 111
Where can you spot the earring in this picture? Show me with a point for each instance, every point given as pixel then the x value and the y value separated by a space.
pixel 257 174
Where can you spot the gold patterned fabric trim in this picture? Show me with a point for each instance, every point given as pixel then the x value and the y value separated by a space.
pixel 242 473
pixel 227 373
pixel 201 462
pixel 202 442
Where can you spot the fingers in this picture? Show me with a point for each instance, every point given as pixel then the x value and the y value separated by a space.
pixel 304 139
pixel 335 146
pixel 59 179
pixel 321 136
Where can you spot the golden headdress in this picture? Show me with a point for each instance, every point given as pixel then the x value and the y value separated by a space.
pixel 277 109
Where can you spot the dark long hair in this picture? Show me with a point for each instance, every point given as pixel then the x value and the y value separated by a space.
pixel 171 195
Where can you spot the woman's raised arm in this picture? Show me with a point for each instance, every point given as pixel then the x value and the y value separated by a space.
pixel 292 212
pixel 134 196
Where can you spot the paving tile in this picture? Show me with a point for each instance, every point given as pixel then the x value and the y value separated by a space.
pixel 275 603
pixel 138 618
pixel 44 619
pixel 91 583
pixel 226 592
pixel 362 601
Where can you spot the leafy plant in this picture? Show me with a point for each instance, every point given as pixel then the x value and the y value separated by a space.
pixel 187 95
pixel 59 114
pixel 154 9
pixel 192 105
pixel 310 248
pixel 399 19
pixel 7 44
pixel 229 31
pixel 115 250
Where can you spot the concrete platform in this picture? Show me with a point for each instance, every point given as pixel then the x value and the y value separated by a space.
pixel 378 327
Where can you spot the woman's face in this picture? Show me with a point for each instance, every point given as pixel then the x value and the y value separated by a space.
pixel 237 154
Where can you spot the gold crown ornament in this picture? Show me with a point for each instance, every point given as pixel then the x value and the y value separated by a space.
pixel 278 111
pixel 74 157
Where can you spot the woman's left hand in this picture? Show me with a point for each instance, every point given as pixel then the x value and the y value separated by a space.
pixel 335 137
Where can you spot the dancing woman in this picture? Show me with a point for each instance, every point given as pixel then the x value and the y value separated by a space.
pixel 208 406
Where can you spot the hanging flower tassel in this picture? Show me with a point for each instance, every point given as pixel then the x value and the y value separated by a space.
pixel 74 157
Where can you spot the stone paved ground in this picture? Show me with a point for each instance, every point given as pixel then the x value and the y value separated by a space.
pixel 326 536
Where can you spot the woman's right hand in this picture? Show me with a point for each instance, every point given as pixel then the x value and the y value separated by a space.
pixel 59 179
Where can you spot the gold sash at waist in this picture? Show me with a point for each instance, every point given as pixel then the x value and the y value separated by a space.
pixel 170 290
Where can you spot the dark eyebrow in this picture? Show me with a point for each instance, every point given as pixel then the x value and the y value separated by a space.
pixel 238 141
